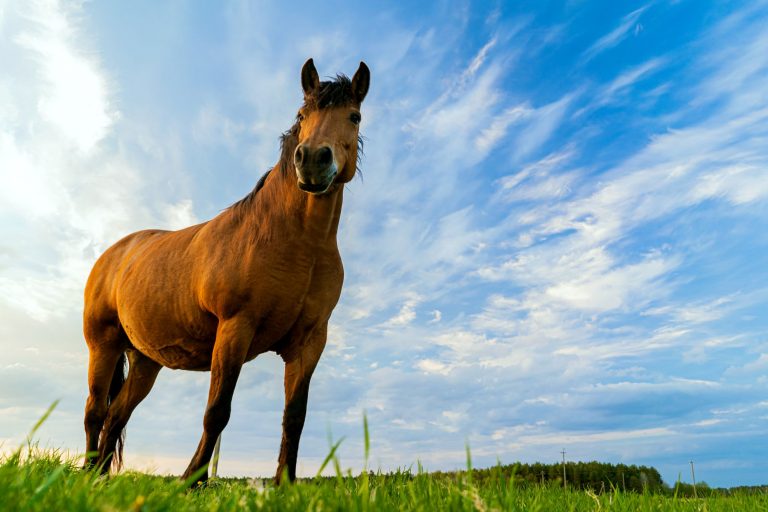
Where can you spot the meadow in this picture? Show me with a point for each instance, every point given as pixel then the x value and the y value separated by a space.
pixel 32 478
pixel 45 482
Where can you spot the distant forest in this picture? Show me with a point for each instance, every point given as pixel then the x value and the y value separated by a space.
pixel 598 477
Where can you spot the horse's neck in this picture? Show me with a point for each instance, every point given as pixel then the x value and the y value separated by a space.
pixel 288 208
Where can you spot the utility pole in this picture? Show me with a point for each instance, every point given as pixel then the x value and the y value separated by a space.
pixel 565 485
pixel 693 477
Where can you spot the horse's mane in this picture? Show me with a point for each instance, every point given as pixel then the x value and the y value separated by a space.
pixel 334 93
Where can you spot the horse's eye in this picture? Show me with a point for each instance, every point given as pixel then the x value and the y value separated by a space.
pixel 300 116
pixel 355 118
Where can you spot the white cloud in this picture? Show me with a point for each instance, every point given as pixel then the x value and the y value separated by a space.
pixel 709 422
pixel 543 124
pixel 479 59
pixel 490 136
pixel 571 438
pixel 705 312
pixel 620 87
pixel 179 215
pixel 74 95
pixel 67 194
pixel 26 187
pixel 432 366
pixel 611 289
pixel 632 76
pixel 545 179
pixel 615 36
pixel 406 315
pixel 462 111
pixel 756 366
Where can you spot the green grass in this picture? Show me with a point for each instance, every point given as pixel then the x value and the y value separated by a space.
pixel 45 480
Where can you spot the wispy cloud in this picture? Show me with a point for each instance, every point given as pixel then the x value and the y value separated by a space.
pixel 61 181
pixel 73 96
pixel 627 26
pixel 619 89
pixel 498 129
pixel 631 76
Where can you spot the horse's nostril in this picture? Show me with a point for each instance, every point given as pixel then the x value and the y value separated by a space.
pixel 299 156
pixel 324 156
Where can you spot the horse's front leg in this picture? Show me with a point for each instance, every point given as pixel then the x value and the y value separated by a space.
pixel 298 372
pixel 233 339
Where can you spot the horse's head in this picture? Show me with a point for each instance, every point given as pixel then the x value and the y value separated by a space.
pixel 328 129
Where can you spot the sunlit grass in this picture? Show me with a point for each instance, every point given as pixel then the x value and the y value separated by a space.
pixel 34 479
pixel 44 480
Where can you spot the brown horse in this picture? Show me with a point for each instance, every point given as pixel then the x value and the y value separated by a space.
pixel 264 275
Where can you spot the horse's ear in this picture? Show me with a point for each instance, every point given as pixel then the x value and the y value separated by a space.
pixel 361 81
pixel 310 80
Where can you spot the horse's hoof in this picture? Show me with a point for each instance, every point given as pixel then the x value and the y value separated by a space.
pixel 195 483
pixel 198 484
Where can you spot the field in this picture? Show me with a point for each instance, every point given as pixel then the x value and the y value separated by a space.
pixel 45 480
pixel 41 480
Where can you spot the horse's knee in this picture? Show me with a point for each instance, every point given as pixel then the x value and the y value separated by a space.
pixel 95 413
pixel 93 421
pixel 217 417
pixel 116 420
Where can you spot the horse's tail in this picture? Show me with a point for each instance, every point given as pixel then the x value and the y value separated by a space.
pixel 118 379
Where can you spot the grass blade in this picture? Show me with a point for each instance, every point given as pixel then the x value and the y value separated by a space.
pixel 328 457
pixel 42 420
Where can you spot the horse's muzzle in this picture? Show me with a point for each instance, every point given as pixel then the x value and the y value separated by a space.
pixel 315 168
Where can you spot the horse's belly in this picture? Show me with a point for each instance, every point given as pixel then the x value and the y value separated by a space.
pixel 180 355
pixel 170 342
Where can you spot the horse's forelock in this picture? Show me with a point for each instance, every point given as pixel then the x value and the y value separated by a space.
pixel 333 93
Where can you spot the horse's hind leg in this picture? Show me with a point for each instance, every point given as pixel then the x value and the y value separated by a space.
pixel 142 372
pixel 105 375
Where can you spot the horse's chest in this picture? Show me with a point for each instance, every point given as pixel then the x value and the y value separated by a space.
pixel 289 301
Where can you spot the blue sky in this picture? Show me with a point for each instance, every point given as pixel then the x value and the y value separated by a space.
pixel 559 240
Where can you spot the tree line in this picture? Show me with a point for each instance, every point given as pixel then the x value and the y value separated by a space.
pixel 596 476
